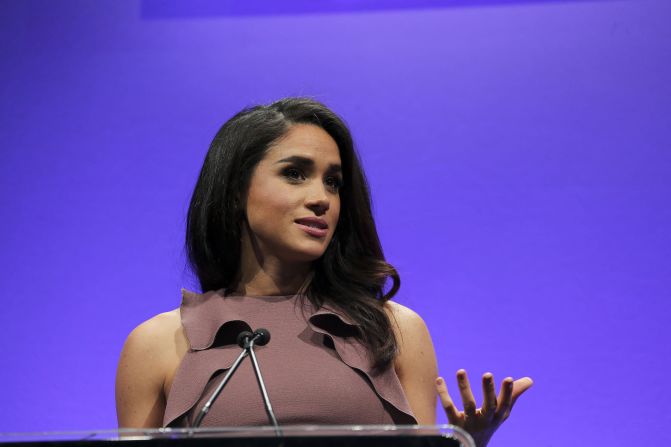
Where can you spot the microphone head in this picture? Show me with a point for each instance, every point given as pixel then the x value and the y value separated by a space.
pixel 262 336
pixel 243 337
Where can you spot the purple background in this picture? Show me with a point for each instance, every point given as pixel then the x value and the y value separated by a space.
pixel 519 155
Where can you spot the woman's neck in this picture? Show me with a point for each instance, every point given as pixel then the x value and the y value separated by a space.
pixel 268 281
pixel 263 275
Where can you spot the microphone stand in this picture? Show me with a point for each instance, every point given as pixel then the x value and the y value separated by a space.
pixel 246 341
pixel 262 386
pixel 220 388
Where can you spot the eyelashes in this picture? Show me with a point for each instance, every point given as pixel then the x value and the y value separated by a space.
pixel 334 182
pixel 295 175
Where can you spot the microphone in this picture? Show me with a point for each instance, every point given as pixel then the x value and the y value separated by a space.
pixel 263 336
pixel 246 340
pixel 243 339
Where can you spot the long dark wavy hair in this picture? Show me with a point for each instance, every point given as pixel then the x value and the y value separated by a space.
pixel 351 275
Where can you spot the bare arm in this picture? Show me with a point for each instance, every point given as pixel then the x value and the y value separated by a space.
pixel 142 370
pixel 417 371
pixel 416 362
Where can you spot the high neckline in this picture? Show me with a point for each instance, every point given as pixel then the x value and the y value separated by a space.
pixel 225 294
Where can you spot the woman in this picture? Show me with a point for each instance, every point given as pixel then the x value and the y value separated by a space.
pixel 280 234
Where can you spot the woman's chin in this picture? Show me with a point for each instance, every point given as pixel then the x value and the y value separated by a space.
pixel 306 254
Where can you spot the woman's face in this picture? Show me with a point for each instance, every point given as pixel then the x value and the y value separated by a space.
pixel 293 203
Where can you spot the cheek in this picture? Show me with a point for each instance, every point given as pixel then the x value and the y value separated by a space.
pixel 337 210
pixel 269 200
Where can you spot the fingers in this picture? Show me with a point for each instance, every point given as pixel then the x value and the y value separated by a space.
pixel 505 399
pixel 489 392
pixel 451 411
pixel 466 394
pixel 519 387
pixel 496 409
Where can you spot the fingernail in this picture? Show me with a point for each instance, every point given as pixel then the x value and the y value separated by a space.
pixel 439 381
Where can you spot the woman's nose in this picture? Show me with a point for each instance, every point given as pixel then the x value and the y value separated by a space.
pixel 318 200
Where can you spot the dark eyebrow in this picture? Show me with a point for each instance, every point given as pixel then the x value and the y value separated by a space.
pixel 308 163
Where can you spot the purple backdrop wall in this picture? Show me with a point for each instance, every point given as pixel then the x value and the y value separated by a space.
pixel 519 155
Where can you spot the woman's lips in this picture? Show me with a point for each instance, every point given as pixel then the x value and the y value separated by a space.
pixel 312 231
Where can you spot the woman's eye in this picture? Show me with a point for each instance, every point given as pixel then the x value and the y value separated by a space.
pixel 293 174
pixel 334 183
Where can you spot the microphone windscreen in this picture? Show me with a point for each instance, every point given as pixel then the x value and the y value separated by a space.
pixel 243 337
pixel 262 336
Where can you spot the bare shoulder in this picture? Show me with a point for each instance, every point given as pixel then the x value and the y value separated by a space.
pixel 157 332
pixel 166 321
pixel 151 347
pixel 412 336
pixel 405 321
pixel 147 362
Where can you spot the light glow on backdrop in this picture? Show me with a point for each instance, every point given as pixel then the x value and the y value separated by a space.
pixel 519 155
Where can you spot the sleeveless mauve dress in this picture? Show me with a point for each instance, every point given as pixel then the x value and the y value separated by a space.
pixel 315 371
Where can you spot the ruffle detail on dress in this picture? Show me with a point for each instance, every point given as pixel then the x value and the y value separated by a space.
pixel 201 318
pixel 198 379
pixel 341 330
pixel 212 325
pixel 203 325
